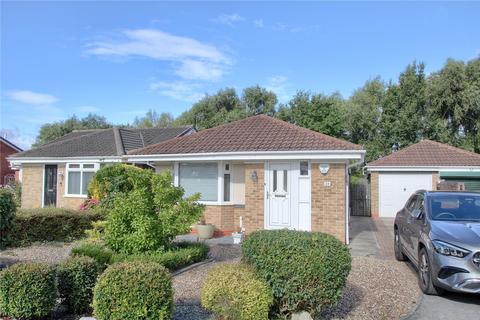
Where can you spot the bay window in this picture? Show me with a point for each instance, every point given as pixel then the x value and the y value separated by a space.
pixel 79 176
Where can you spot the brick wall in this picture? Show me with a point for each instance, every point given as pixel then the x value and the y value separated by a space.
pixel 226 218
pixel 5 151
pixel 374 199
pixel 32 184
pixel 328 203
pixel 62 201
pixel 435 180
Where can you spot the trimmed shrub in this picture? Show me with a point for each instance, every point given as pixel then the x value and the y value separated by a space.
pixel 76 280
pixel 148 218
pixel 134 290
pixel 97 252
pixel 51 224
pixel 7 215
pixel 27 290
pixel 233 291
pixel 176 258
pixel 306 271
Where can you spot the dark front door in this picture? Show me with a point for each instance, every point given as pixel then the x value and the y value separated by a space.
pixel 50 188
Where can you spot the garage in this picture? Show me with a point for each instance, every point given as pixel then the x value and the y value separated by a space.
pixel 395 177
pixel 396 188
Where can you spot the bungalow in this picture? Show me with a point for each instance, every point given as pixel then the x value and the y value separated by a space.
pixel 7 148
pixel 267 173
pixel 58 173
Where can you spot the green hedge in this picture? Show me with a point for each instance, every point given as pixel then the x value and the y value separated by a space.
pixel 134 290
pixel 99 253
pixel 7 215
pixel 50 224
pixel 233 291
pixel 27 290
pixel 176 258
pixel 179 256
pixel 305 270
pixel 76 279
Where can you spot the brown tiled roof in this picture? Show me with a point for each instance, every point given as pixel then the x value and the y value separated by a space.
pixel 256 133
pixel 428 153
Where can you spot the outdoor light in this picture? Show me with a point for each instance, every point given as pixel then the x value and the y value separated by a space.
pixel 324 167
pixel 254 176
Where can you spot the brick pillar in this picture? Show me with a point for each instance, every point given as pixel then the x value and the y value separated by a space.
pixel 374 199
pixel 253 215
pixel 328 200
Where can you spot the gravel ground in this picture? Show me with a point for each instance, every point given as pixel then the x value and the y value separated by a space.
pixel 377 289
pixel 187 286
pixel 51 253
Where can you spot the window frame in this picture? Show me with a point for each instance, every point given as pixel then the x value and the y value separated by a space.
pixel 81 169
pixel 221 166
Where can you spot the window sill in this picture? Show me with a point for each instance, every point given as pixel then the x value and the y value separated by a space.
pixel 75 196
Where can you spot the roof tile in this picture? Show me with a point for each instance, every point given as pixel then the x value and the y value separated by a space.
pixel 428 153
pixel 256 133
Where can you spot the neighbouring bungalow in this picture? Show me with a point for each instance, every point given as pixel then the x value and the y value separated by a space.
pixel 267 173
pixel 7 148
pixel 394 178
pixel 57 173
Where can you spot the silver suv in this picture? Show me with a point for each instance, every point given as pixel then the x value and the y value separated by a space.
pixel 439 232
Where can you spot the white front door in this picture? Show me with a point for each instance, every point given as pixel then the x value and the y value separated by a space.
pixel 396 188
pixel 279 197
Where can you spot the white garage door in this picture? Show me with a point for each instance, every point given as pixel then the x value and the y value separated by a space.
pixel 396 188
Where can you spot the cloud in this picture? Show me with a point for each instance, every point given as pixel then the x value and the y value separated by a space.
pixel 191 57
pixel 30 97
pixel 229 19
pixel 258 23
pixel 179 90
pixel 279 84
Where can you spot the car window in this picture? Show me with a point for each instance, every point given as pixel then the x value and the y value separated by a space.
pixel 455 207
pixel 411 202
pixel 419 203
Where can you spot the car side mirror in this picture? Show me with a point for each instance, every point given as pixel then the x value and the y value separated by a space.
pixel 417 213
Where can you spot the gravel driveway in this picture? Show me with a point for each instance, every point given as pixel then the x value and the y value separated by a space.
pixel 376 289
pixel 51 253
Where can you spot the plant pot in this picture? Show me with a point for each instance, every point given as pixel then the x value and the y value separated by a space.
pixel 204 231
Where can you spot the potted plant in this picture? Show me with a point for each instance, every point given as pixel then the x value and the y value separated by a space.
pixel 204 230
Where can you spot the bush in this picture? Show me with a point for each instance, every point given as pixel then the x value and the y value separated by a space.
pixel 27 290
pixel 8 208
pixel 233 291
pixel 97 252
pixel 305 270
pixel 176 258
pixel 51 224
pixel 133 290
pixel 112 180
pixel 76 279
pixel 148 218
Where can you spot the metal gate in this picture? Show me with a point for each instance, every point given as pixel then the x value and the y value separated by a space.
pixel 360 198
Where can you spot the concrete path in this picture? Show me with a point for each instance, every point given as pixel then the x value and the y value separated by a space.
pixel 374 238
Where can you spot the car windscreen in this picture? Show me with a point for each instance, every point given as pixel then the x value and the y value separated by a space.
pixel 455 207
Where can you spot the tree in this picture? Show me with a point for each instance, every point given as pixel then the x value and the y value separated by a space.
pixel 51 131
pixel 363 115
pixel 454 97
pixel 153 120
pixel 213 110
pixel 258 100
pixel 317 112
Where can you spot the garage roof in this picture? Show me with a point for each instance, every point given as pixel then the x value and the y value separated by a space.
pixel 428 153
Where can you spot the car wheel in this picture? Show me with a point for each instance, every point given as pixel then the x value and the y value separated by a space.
pixel 397 246
pixel 425 275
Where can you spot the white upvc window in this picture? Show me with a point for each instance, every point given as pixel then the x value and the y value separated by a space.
pixel 213 180
pixel 78 177
pixel 199 177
